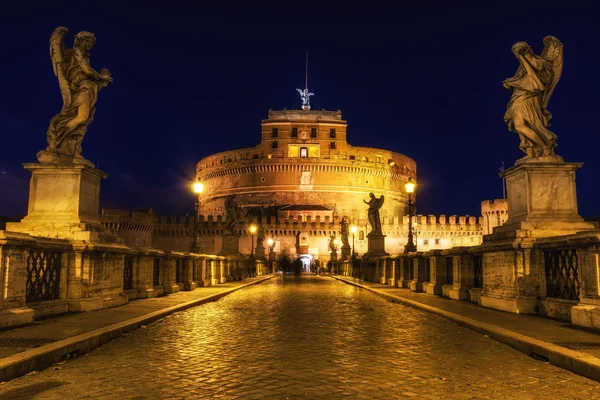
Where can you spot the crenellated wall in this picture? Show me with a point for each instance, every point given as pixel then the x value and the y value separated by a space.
pixel 431 232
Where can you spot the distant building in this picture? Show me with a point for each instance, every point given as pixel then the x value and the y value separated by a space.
pixel 298 184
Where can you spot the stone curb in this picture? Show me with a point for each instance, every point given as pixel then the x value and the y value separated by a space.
pixel 571 360
pixel 37 359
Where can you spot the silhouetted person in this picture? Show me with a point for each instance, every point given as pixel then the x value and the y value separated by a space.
pixel 297 268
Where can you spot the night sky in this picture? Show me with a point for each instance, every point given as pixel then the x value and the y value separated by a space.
pixel 192 82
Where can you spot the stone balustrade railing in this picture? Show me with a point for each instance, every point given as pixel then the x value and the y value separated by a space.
pixel 40 277
pixel 555 277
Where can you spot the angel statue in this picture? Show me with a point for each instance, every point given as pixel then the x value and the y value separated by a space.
pixel 234 213
pixel 305 96
pixel 373 213
pixel 79 85
pixel 531 87
pixel 344 232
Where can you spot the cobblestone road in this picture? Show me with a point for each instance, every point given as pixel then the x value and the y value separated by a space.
pixel 312 338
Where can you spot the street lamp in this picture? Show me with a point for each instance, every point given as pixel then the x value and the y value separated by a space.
pixel 252 231
pixel 354 229
pixel 410 188
pixel 197 188
pixel 271 244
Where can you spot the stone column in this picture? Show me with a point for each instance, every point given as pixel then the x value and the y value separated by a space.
pixel 202 265
pixel 13 279
pixel 143 278
pixel 463 276
pixel 437 268
pixel 169 284
pixel 392 275
pixel 403 281
pixel 419 267
pixel 383 268
pixel 188 281
pixel 221 266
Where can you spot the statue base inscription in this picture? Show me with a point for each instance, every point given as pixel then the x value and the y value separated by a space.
pixel 231 244
pixel 63 203
pixel 542 199
pixel 376 245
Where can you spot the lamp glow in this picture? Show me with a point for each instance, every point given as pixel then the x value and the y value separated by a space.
pixel 198 187
pixel 354 229
pixel 253 229
pixel 336 242
pixel 270 242
pixel 410 186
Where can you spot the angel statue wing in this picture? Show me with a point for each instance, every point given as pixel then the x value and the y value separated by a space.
pixel 553 53
pixel 310 94
pixel 59 53
pixel 301 92
pixel 380 202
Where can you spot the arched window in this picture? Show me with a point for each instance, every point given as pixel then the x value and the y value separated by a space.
pixel 361 235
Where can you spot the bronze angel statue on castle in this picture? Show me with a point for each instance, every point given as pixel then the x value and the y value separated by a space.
pixel 531 87
pixel 79 85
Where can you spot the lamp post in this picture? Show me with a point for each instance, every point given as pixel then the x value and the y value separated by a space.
pixel 354 229
pixel 334 263
pixel 271 244
pixel 253 265
pixel 198 188
pixel 410 188
pixel 252 232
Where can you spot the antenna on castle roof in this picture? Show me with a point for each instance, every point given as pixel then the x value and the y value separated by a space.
pixel 306 84
pixel 304 94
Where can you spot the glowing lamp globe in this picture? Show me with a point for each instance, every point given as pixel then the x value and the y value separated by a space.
pixel 198 187
pixel 354 229
pixel 410 186
pixel 253 229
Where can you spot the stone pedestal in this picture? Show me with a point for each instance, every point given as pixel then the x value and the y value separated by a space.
pixel 376 245
pixel 231 244
pixel 259 252
pixel 346 252
pixel 64 203
pixel 542 203
pixel 542 199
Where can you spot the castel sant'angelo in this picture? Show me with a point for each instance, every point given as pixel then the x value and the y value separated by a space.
pixel 296 186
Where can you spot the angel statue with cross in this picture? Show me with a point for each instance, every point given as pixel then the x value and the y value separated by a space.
pixel 79 85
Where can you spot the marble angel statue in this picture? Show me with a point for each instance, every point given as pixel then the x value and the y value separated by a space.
pixel 532 87
pixel 79 85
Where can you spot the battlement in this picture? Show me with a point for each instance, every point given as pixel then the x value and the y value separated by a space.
pixel 215 224
pixel 493 206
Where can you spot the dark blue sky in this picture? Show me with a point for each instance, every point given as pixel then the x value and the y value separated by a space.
pixel 191 82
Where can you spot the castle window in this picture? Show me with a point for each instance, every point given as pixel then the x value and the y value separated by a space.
pixel 303 152
pixel 332 133
pixel 332 145
pixel 437 241
pixel 274 144
pixel 353 157
pixel 426 241
pixel 294 132
pixel 313 132
pixel 255 157
pixel 275 132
